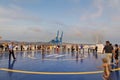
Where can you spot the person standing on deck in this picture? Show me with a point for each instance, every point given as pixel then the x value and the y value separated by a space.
pixel 96 49
pixel 11 51
pixel 116 53
pixel 108 50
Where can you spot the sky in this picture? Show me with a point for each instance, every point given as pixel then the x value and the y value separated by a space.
pixel 82 21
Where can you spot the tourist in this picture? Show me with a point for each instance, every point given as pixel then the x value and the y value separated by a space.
pixel 11 51
pixel 108 49
pixel 96 49
pixel 116 53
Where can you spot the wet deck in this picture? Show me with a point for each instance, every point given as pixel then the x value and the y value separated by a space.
pixel 33 65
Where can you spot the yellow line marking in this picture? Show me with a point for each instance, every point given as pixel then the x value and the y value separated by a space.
pixel 53 73
pixel 117 69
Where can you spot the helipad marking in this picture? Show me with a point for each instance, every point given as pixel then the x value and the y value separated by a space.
pixel 51 55
pixel 64 59
pixel 53 73
pixel 54 59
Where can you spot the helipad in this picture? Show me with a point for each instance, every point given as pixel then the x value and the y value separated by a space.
pixel 34 65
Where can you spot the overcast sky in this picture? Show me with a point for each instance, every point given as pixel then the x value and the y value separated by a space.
pixel 80 20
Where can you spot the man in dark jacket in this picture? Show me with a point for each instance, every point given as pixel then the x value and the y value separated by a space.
pixel 108 50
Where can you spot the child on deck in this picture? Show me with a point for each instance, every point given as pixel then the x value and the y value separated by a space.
pixel 106 68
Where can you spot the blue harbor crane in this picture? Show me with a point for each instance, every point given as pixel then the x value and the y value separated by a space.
pixel 57 40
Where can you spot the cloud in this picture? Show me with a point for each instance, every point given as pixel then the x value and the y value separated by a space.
pixel 26 33
pixel 10 32
pixel 104 20
pixel 80 34
pixel 113 3
pixel 21 33
pixel 77 31
pixel 20 24
pixel 35 29
pixel 27 1
pixel 97 13
pixel 15 13
pixel 115 19
pixel 10 11
pixel 87 32
pixel 100 8
pixel 4 20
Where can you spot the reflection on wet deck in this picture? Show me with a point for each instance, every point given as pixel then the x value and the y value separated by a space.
pixel 71 64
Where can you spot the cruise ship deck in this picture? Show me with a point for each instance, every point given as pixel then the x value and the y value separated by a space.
pixel 35 65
